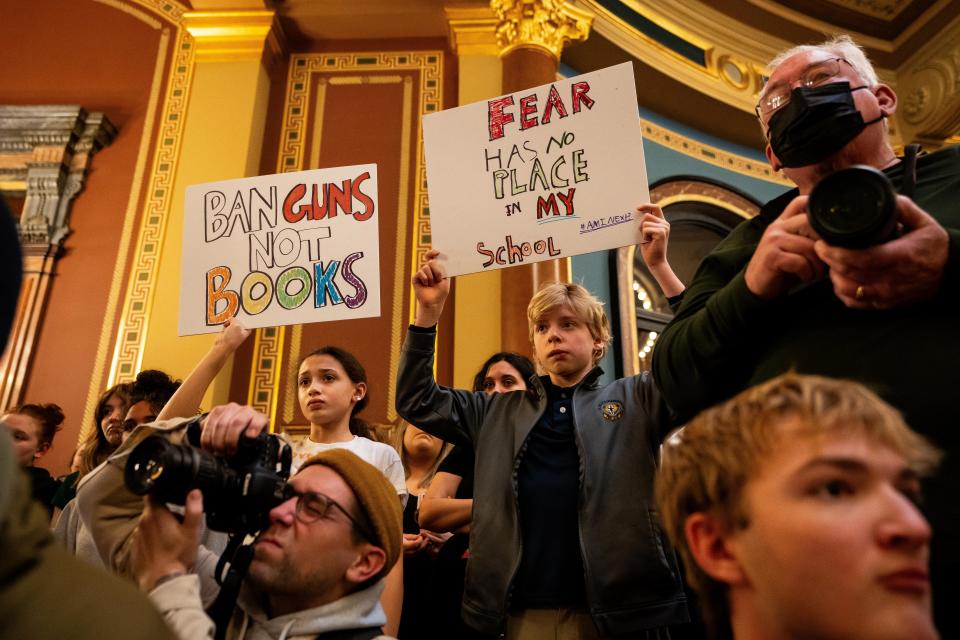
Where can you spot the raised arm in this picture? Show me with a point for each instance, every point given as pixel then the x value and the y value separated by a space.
pixel 450 414
pixel 655 232
pixel 185 402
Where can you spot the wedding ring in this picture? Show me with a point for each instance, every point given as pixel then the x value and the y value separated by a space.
pixel 859 294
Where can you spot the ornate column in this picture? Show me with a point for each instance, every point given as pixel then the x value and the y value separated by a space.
pixel 531 35
pixel 44 155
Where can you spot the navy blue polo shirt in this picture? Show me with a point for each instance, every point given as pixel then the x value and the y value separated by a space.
pixel 548 484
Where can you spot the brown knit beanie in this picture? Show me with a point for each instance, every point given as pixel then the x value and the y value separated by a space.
pixel 377 498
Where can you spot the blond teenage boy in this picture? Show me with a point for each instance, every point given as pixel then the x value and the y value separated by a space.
pixel 565 541
pixel 793 506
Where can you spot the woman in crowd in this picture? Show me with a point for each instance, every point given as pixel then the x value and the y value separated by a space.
pixel 107 433
pixel 142 401
pixel 421 454
pixel 448 503
pixel 32 427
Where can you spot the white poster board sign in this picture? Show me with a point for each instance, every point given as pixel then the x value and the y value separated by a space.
pixel 548 172
pixel 284 249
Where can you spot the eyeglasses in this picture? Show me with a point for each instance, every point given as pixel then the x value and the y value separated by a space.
pixel 312 507
pixel 813 76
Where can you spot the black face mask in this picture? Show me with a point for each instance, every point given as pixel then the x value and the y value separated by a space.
pixel 815 124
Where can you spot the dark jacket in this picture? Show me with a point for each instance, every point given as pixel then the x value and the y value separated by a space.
pixel 631 577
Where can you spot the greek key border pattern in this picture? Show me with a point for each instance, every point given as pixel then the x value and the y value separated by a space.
pixel 132 329
pixel 711 155
pixel 264 385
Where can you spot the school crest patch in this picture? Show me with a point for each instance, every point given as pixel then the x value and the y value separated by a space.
pixel 611 410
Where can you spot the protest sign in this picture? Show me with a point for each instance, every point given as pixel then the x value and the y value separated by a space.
pixel 284 249
pixel 544 173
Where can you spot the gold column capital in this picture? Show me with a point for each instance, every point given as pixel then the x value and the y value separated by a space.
pixel 472 29
pixel 543 24
pixel 234 36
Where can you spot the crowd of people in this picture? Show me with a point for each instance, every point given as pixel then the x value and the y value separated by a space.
pixel 763 481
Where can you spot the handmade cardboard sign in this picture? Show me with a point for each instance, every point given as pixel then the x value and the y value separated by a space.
pixel 284 249
pixel 544 173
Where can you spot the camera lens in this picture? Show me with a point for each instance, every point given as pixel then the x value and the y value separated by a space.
pixel 165 470
pixel 854 207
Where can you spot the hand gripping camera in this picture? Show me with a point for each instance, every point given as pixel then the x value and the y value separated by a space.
pixel 238 492
pixel 856 207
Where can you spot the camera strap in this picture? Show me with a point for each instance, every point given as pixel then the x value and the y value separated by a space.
pixel 909 180
pixel 236 559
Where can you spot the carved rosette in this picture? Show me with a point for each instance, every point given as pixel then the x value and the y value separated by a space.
pixel 929 92
pixel 545 24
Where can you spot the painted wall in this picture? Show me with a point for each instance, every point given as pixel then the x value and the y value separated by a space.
pixel 101 58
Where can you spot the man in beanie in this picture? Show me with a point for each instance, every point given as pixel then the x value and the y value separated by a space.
pixel 316 571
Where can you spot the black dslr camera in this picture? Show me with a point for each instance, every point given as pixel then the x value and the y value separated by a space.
pixel 854 207
pixel 238 492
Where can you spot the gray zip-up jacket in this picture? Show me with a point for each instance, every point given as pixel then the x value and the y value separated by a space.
pixel 631 576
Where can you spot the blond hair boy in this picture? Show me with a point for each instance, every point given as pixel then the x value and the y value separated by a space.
pixel 793 506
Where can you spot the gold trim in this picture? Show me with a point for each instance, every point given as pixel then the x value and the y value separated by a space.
pixel 710 154
pixel 133 11
pixel 264 387
pixel 229 35
pixel 349 80
pixel 296 344
pixel 864 39
pixel 400 281
pixel 10 186
pixel 138 299
pixel 694 197
pixel 876 9
pixel 318 123
pixel 291 154
pixel 130 216
pixel 472 30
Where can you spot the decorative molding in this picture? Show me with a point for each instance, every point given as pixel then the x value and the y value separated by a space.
pixel 234 35
pixel 734 54
pixel 929 91
pixel 47 150
pixel 774 7
pixel 544 24
pixel 883 9
pixel 155 210
pixel 472 30
pixel 428 95
pixel 711 155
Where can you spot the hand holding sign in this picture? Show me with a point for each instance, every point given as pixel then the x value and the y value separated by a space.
pixel 431 287
pixel 543 173
pixel 654 231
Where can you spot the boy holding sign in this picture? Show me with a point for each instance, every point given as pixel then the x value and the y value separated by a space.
pixel 565 537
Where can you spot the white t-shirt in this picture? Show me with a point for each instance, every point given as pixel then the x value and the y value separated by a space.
pixel 380 455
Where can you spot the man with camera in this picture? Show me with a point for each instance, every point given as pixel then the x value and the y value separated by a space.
pixel 775 296
pixel 329 535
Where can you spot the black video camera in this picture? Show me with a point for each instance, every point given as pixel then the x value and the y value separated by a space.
pixel 855 207
pixel 238 492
